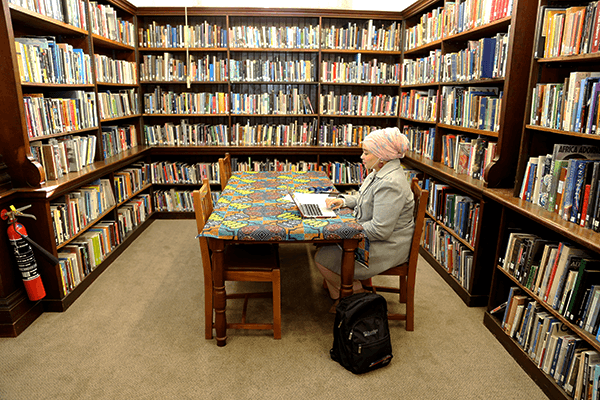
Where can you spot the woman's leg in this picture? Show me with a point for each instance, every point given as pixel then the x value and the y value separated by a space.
pixel 334 282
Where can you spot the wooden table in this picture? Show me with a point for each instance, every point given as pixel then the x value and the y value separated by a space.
pixel 253 208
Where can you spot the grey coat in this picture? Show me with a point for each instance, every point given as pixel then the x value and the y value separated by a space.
pixel 384 207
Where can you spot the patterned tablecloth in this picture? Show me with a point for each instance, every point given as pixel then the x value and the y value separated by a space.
pixel 254 207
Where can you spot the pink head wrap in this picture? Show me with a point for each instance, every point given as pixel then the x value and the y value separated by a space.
pixel 387 144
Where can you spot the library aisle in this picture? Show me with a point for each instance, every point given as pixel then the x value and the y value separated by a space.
pixel 137 333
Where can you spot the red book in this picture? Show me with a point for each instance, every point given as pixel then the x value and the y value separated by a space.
pixel 595 33
pixel 586 200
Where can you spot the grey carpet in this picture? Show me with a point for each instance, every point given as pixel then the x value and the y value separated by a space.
pixel 138 333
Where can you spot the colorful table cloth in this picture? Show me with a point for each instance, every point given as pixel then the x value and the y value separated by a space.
pixel 253 207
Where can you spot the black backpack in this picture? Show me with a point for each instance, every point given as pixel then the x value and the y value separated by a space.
pixel 361 336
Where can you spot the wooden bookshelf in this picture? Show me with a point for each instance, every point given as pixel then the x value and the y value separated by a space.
pixel 538 139
pixel 513 84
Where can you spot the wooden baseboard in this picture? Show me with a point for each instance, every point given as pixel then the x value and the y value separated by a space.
pixel 17 312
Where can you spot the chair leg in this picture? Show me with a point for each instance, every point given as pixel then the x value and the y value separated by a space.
pixel 403 285
pixel 208 312
pixel 276 305
pixel 410 309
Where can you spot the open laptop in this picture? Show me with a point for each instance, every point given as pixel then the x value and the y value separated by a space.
pixel 312 205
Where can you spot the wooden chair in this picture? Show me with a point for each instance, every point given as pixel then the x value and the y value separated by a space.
pixel 407 272
pixel 248 263
pixel 224 170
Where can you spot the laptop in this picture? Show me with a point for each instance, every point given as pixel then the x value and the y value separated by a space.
pixel 312 205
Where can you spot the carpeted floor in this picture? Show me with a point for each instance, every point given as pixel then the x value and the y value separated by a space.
pixel 138 333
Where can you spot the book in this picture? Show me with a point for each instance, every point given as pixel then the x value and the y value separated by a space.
pixel 588 275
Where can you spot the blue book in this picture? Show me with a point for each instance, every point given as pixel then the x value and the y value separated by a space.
pixel 483 104
pixel 578 190
pixel 596 386
pixel 514 290
pixel 488 49
pixel 522 332
pixel 567 197
pixel 584 92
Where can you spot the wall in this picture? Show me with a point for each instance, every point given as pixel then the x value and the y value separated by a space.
pixel 331 4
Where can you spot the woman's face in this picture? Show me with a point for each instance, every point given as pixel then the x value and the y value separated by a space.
pixel 369 160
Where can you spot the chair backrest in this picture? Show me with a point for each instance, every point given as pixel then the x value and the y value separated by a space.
pixel 224 170
pixel 420 197
pixel 203 207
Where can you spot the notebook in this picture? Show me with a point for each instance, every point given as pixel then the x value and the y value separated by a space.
pixel 312 205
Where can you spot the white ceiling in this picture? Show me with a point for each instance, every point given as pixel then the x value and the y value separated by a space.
pixel 382 5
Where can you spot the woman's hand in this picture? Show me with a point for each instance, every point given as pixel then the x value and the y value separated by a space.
pixel 334 203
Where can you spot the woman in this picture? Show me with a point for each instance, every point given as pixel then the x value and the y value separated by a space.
pixel 384 207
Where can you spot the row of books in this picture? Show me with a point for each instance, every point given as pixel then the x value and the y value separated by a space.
pixel 557 273
pixel 117 139
pixel 68 11
pixel 343 134
pixel 133 213
pixel 174 68
pixel 203 35
pixel 454 18
pixel 206 35
pixel 421 140
pixel 106 23
pixel 109 70
pixel 83 255
pixel 168 172
pixel 423 70
pixel 366 37
pixel 75 211
pixel 252 70
pixel 278 103
pixel 451 253
pixel 471 107
pixel 274 37
pixel 465 15
pixel 358 71
pixel 174 200
pixel 367 104
pixel 114 105
pixel 186 134
pixel 43 60
pixel 292 134
pixel 62 112
pixel 419 104
pixel 129 181
pixel 551 345
pixel 427 30
pixel 340 172
pixel 483 58
pixel 567 31
pixel 344 173
pixel 467 156
pixel 63 155
pixel 454 209
pixel 566 182
pixel 571 105
pixel 162 102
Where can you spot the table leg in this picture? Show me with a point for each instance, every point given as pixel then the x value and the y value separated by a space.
pixel 348 245
pixel 220 300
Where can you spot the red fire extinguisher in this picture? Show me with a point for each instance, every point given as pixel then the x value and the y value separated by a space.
pixel 24 253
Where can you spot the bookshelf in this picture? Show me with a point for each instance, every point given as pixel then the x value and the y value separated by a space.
pixel 462 61
pixel 530 206
pixel 277 80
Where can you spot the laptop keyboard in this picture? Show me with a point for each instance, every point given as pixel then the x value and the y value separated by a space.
pixel 311 209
